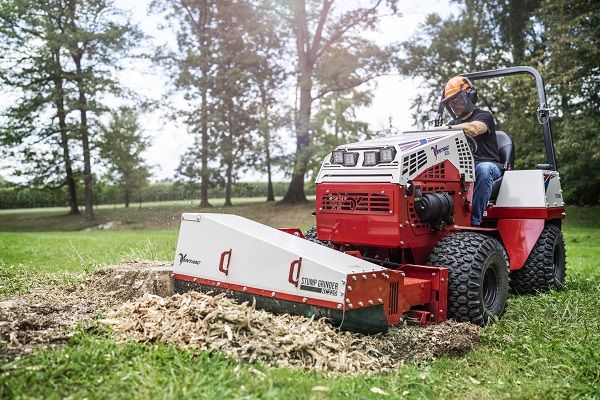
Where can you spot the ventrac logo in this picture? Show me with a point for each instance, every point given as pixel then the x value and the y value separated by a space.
pixel 439 150
pixel 183 259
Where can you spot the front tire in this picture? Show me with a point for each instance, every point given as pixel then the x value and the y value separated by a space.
pixel 477 276
pixel 545 267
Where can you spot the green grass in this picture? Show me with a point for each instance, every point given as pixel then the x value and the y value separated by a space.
pixel 546 346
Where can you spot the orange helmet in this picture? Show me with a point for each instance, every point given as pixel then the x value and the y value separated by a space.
pixel 455 85
pixel 459 96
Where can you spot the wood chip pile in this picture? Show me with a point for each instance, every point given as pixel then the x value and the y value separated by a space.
pixel 215 323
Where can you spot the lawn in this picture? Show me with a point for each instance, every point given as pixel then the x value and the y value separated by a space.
pixel 546 346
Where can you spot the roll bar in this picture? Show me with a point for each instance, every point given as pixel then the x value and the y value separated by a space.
pixel 542 110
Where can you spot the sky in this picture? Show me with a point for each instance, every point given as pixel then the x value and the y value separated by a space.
pixel 391 98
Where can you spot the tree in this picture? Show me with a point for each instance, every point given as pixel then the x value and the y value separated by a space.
pixel 97 36
pixel 558 37
pixel 30 37
pixel 571 66
pixel 121 146
pixel 191 70
pixel 268 75
pixel 316 35
pixel 336 123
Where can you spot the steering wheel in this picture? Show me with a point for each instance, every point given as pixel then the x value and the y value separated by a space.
pixel 472 143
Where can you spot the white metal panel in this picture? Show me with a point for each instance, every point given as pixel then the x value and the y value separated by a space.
pixel 432 147
pixel 554 197
pixel 261 256
pixel 522 188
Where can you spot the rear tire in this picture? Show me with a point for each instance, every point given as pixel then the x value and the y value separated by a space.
pixel 477 276
pixel 545 267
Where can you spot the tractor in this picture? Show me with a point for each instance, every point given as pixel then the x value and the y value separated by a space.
pixel 392 240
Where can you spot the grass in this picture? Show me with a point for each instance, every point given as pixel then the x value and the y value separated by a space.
pixel 546 346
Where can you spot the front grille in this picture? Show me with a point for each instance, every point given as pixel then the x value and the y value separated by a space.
pixel 356 202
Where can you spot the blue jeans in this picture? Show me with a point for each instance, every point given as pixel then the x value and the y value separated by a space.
pixel 485 174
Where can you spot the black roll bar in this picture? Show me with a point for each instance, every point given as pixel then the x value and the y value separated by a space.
pixel 542 110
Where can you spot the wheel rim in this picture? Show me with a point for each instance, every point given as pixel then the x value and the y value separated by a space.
pixel 490 287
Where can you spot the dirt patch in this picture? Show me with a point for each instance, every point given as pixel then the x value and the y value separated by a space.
pixel 49 315
pixel 138 302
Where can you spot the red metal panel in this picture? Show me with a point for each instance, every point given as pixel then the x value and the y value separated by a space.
pixel 519 237
pixel 526 213
pixel 368 289
pixel 437 305
pixel 347 214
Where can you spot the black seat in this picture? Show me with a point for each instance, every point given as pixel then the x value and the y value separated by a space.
pixel 506 150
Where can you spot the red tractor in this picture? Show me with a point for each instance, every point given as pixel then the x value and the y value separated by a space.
pixel 393 235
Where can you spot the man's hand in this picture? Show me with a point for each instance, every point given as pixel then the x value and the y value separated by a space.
pixel 472 129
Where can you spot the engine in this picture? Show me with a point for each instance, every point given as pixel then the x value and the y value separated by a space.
pixel 401 192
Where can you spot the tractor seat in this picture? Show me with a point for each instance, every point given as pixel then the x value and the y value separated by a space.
pixel 506 150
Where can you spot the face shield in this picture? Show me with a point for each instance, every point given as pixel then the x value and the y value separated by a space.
pixel 459 104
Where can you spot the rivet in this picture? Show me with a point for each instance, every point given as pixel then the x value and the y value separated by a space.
pixel 349 288
pixel 442 279
pixel 244 288
pixel 370 302
pixel 304 299
pixel 360 304
pixel 339 306
pixel 401 226
pixel 350 305
pixel 403 274
pixel 380 300
pixel 353 277
pixel 272 294
pixel 364 277
pixel 374 276
pixel 433 274
pixel 402 242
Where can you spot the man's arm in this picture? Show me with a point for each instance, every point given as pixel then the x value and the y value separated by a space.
pixel 473 128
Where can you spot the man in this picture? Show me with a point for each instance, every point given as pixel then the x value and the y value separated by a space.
pixel 459 98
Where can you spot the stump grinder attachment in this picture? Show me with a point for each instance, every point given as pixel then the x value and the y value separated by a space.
pixel 285 273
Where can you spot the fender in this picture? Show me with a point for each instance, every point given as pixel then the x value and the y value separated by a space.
pixel 519 236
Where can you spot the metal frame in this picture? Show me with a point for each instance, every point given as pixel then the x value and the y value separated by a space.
pixel 543 110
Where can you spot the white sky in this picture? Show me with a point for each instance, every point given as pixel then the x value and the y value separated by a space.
pixel 392 96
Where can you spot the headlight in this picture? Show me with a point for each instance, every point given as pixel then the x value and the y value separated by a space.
pixel 350 159
pixel 387 155
pixel 370 158
pixel 337 157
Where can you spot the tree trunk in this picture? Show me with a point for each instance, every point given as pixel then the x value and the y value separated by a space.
pixel 85 140
pixel 204 49
pixel 267 136
pixel 295 192
pixel 270 193
pixel 64 134
pixel 127 198
pixel 306 62
pixel 229 183
pixel 77 55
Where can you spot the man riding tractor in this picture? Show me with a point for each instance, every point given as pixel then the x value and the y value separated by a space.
pixel 460 99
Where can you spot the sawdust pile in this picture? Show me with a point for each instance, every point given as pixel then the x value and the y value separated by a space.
pixel 138 302
pixel 203 322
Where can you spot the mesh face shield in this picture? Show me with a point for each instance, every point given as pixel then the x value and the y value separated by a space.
pixel 459 105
